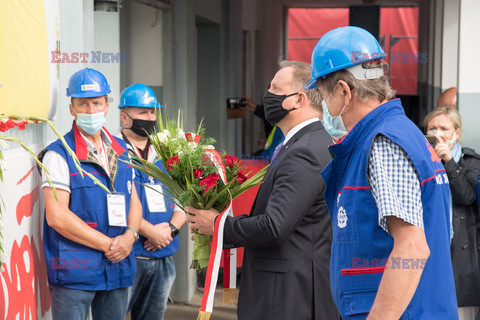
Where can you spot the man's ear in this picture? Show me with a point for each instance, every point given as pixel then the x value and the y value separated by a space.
pixel 301 99
pixel 72 112
pixel 123 118
pixel 346 92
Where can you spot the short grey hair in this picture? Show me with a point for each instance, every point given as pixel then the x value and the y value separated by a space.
pixel 364 89
pixel 301 76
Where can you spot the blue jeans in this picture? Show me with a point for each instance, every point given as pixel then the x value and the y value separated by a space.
pixel 151 287
pixel 73 304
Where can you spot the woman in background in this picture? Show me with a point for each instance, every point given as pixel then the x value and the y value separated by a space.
pixel 462 166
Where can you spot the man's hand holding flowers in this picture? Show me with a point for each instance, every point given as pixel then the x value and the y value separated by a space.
pixel 201 220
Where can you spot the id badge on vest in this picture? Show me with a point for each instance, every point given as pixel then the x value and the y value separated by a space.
pixel 117 215
pixel 155 199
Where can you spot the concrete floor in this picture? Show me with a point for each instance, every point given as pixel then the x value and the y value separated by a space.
pixel 181 311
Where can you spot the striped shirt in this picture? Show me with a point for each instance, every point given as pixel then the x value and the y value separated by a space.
pixel 394 183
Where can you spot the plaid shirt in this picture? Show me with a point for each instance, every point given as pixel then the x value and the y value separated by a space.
pixel 394 183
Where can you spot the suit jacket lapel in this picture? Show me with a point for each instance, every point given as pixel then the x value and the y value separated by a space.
pixel 317 125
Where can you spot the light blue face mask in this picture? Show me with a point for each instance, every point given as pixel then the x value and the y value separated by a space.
pixel 334 125
pixel 91 123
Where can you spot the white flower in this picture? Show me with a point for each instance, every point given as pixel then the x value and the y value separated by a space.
pixel 191 145
pixel 181 134
pixel 179 150
pixel 209 147
pixel 163 136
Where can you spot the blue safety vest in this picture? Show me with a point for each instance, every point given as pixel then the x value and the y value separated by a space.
pixel 70 264
pixel 360 247
pixel 152 217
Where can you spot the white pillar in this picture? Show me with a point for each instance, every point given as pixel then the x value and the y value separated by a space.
pixel 451 13
pixel 468 72
pixel 107 59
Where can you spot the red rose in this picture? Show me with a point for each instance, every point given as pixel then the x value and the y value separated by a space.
pixel 197 173
pixel 241 178
pixel 230 161
pixel 209 181
pixel 172 162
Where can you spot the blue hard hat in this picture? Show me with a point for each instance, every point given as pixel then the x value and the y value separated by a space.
pixel 87 83
pixel 342 48
pixel 138 95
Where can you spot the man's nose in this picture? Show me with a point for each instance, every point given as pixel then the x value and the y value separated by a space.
pixel 151 116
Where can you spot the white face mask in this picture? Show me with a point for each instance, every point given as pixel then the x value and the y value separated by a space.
pixel 334 125
pixel 442 134
pixel 91 122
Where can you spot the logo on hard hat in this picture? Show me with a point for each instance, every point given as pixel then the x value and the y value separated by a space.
pixel 89 87
pixel 149 99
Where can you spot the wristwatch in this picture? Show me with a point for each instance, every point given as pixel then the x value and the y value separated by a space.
pixel 135 233
pixel 175 231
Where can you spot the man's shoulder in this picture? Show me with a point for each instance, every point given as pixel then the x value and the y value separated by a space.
pixel 58 146
pixel 315 137
pixel 307 149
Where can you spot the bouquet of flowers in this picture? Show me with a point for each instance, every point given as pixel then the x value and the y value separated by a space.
pixel 196 175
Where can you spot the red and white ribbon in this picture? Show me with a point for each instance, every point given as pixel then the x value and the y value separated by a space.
pixel 217 161
pixel 213 265
pixel 229 266
pixel 192 137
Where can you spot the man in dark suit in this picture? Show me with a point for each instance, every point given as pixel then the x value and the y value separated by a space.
pixel 287 237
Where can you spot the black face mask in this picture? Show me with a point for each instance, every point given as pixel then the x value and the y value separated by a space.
pixel 274 111
pixel 143 127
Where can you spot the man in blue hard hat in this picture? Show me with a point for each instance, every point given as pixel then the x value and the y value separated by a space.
pixel 387 191
pixel 161 219
pixel 88 232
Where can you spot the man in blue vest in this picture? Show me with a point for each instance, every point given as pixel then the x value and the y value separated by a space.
pixel 161 219
pixel 89 233
pixel 387 191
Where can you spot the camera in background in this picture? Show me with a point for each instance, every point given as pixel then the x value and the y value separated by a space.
pixel 235 108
